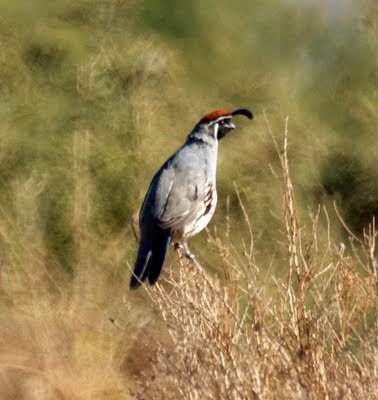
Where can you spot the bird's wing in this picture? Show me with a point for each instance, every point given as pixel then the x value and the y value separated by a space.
pixel 189 197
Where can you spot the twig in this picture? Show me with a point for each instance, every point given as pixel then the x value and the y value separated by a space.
pixel 132 224
pixel 345 226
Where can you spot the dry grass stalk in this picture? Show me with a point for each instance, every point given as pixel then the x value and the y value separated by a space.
pixel 312 337
pixel 55 341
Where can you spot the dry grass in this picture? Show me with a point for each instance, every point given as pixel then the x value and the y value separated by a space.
pixel 56 341
pixel 305 331
pixel 253 335
pixel 89 88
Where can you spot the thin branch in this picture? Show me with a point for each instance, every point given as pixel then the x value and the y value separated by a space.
pixel 345 226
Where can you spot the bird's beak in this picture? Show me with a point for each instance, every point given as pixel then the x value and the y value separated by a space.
pixel 230 125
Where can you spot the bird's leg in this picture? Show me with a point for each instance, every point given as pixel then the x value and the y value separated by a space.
pixel 186 252
pixel 178 246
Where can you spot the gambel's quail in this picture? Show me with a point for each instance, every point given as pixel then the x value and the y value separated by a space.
pixel 182 196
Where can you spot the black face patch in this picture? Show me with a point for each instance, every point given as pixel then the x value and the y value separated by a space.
pixel 224 128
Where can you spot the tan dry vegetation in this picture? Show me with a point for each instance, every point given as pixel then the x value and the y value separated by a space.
pixel 253 335
pixel 92 87
pixel 56 341
pixel 305 328
pixel 310 333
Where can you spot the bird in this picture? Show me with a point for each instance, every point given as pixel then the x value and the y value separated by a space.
pixel 182 196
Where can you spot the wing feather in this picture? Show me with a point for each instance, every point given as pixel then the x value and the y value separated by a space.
pixel 186 202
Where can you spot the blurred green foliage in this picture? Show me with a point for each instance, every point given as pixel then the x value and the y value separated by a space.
pixel 137 77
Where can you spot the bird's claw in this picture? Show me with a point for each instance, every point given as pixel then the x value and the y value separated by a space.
pixel 186 252
pixel 178 246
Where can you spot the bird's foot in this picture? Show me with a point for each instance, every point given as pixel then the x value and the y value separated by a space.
pixel 178 246
pixel 186 252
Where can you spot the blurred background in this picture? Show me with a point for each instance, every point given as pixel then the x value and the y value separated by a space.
pixel 95 95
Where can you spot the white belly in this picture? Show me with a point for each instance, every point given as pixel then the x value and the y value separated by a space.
pixel 202 220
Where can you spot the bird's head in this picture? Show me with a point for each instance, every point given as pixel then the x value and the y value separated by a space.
pixel 217 124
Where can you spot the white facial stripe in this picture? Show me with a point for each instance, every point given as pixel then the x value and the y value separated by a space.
pixel 216 128
pixel 220 119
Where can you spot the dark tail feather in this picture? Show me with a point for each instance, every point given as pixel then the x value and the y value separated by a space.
pixel 140 271
pixel 157 259
pixel 149 262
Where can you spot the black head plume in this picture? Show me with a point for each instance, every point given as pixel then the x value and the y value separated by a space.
pixel 243 111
